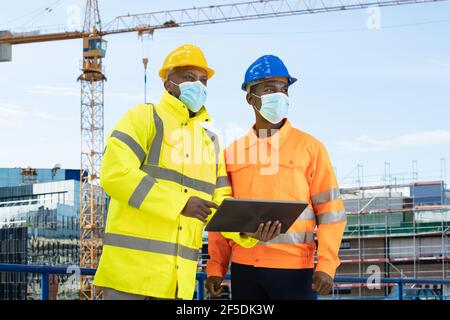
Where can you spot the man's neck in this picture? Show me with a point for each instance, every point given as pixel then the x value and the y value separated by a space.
pixel 265 127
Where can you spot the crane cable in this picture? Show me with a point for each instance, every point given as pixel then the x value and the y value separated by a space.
pixel 42 13
pixel 145 44
pixel 32 12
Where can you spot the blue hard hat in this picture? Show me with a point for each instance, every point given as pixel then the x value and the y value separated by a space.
pixel 266 67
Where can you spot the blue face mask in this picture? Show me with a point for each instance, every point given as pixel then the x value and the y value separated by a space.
pixel 274 106
pixel 192 94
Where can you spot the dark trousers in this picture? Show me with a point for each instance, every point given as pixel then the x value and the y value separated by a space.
pixel 251 283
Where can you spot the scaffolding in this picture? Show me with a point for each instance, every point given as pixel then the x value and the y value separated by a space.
pixel 398 230
pixel 394 229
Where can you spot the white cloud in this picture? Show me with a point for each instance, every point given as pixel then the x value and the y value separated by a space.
pixel 445 64
pixel 364 143
pixel 136 97
pixel 11 114
pixel 71 91
pixel 55 90
pixel 3 78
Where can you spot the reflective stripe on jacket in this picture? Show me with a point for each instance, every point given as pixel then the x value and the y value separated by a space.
pixel 290 165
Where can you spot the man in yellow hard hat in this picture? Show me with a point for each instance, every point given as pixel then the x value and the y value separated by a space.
pixel 165 174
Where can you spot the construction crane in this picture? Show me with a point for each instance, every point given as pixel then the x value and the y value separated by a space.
pixel 92 81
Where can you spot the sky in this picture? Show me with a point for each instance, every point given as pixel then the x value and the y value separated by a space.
pixel 374 86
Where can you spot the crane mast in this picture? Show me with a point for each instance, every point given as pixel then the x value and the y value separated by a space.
pixel 92 199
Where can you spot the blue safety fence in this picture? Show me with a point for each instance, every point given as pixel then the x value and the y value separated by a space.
pixel 46 271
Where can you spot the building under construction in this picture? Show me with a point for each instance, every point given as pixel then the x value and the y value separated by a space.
pixel 393 231
pixel 396 231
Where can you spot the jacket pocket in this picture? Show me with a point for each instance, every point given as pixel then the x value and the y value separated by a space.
pixel 241 176
pixel 291 182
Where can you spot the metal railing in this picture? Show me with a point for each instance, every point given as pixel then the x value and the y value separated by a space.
pixel 46 271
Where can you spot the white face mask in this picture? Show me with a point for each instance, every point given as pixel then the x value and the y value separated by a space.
pixel 192 94
pixel 274 106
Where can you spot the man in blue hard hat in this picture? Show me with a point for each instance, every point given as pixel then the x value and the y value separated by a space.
pixel 283 268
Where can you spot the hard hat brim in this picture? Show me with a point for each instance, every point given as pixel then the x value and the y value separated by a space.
pixel 210 72
pixel 291 80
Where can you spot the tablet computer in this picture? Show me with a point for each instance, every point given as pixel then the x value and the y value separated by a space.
pixel 244 215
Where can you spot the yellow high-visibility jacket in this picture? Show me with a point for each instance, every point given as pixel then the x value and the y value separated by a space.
pixel 156 158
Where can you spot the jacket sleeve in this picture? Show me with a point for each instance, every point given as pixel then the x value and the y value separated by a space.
pixel 219 250
pixel 329 211
pixel 222 191
pixel 120 173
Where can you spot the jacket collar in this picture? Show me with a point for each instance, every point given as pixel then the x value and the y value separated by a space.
pixel 180 112
pixel 276 140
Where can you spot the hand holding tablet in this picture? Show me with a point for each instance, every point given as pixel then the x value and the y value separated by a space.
pixel 242 215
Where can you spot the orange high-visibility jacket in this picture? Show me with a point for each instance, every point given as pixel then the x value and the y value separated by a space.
pixel 289 165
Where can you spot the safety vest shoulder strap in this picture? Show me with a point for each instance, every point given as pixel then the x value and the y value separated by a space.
pixel 215 140
pixel 154 152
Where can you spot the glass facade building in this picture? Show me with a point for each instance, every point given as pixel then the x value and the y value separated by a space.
pixel 39 224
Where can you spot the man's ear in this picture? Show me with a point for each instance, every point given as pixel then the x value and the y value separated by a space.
pixel 171 88
pixel 167 84
pixel 250 98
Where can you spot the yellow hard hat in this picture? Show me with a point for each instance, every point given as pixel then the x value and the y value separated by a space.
pixel 186 55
